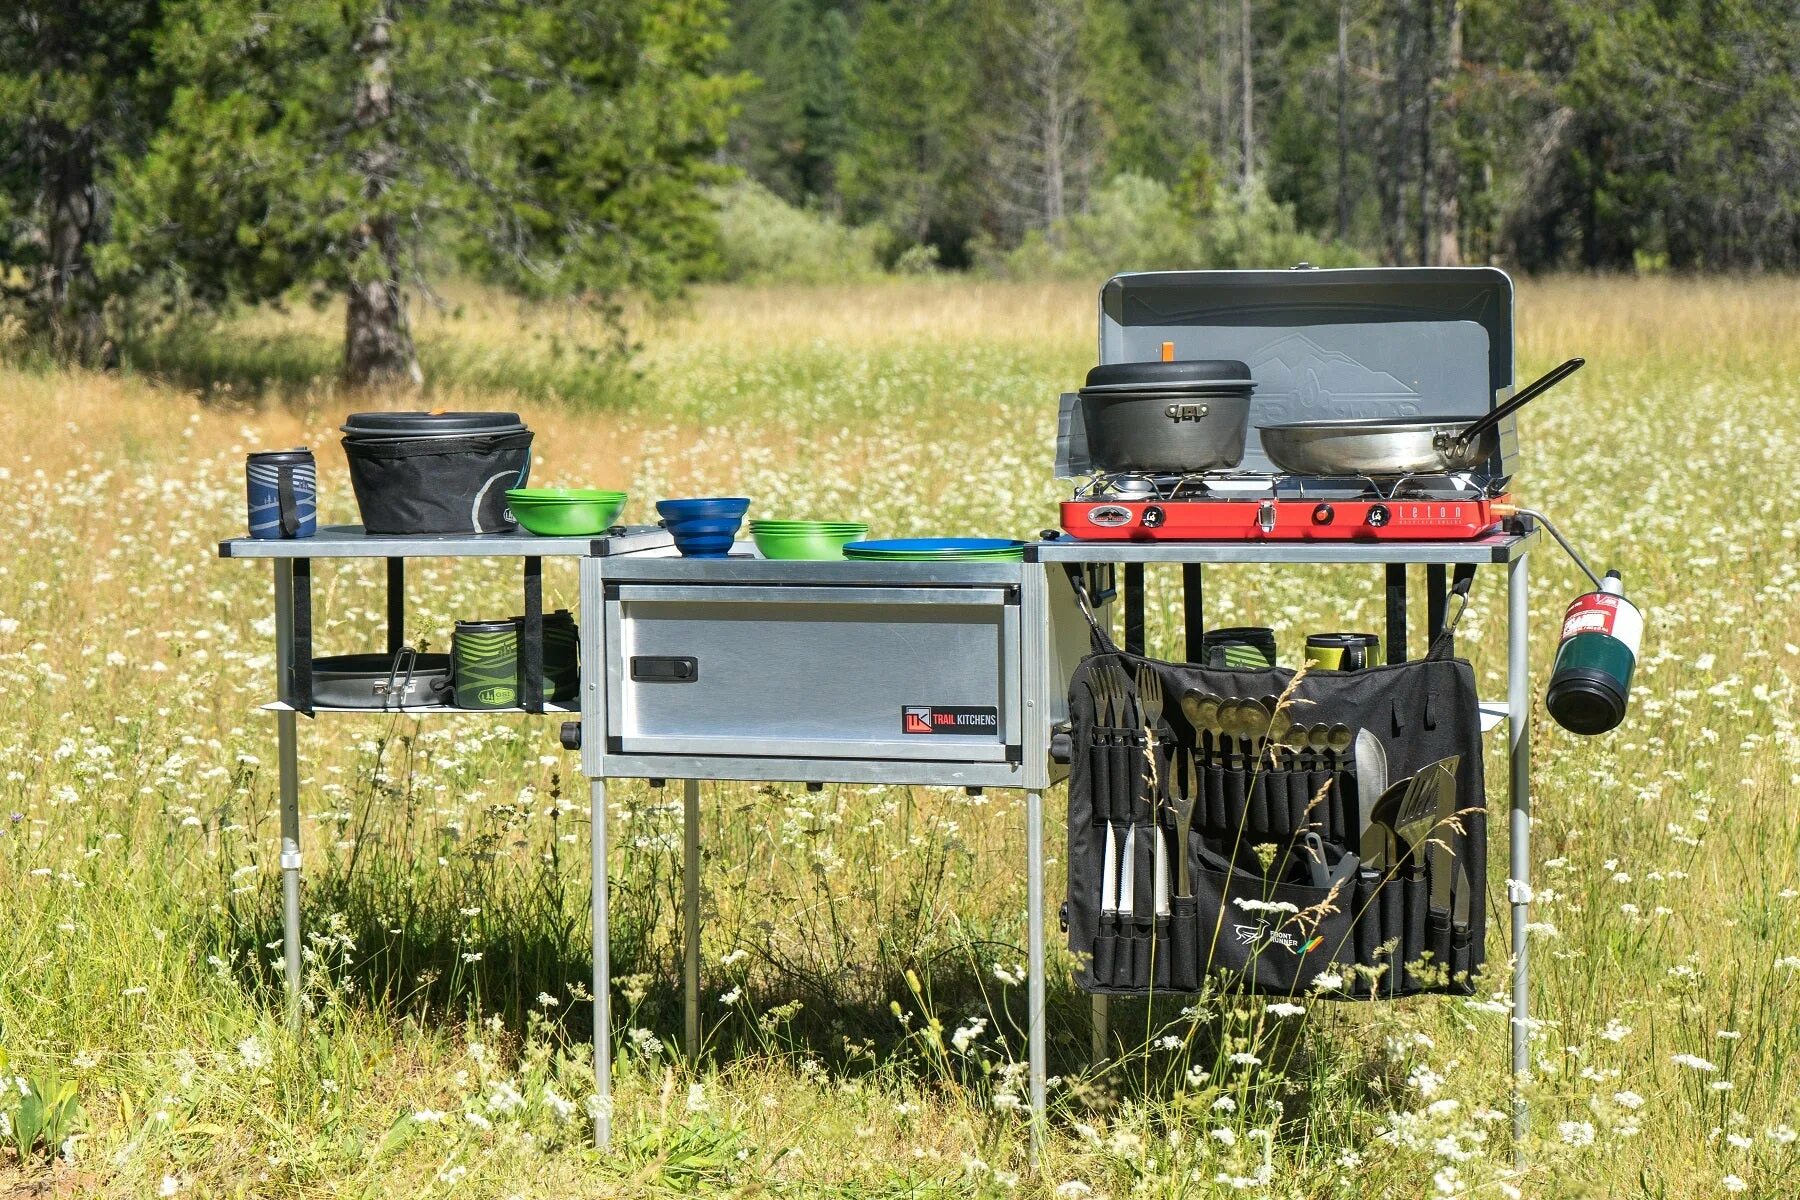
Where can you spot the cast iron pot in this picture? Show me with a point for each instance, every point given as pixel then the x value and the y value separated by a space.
pixel 1167 417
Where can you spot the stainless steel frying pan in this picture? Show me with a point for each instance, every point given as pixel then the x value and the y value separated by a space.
pixel 1387 448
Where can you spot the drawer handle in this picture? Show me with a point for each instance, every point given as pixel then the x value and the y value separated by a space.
pixel 654 669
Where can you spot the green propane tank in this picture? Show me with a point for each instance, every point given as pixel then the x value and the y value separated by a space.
pixel 1591 685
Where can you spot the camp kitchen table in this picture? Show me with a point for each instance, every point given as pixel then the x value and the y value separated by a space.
pixel 636 596
pixel 743 669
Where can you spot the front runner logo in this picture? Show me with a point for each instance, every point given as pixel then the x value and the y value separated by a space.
pixel 915 720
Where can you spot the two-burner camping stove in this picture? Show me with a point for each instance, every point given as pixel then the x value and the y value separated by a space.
pixel 1256 507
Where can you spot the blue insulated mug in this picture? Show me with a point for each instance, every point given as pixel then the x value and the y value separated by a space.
pixel 282 487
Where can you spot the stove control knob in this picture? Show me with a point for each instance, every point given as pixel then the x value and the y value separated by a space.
pixel 1322 515
pixel 571 735
pixel 1379 515
pixel 1154 516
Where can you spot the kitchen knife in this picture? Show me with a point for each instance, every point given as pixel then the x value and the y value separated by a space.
pixel 1128 873
pixel 1460 918
pixel 1442 832
pixel 1162 869
pixel 1109 874
pixel 1371 777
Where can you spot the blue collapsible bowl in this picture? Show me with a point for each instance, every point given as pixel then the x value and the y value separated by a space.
pixel 703 545
pixel 716 506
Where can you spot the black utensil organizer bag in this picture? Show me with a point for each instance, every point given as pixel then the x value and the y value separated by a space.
pixel 1256 919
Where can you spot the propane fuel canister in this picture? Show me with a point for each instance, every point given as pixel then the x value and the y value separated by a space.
pixel 1591 685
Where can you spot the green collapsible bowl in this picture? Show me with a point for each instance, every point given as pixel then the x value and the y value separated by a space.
pixel 825 542
pixel 565 512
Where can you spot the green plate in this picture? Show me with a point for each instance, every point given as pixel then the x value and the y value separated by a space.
pixel 562 495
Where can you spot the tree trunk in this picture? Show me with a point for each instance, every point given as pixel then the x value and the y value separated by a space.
pixel 378 346
pixel 1449 176
pixel 73 222
pixel 1249 92
pixel 1343 122
pixel 1428 95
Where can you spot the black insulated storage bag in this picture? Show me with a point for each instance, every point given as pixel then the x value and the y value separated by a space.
pixel 436 473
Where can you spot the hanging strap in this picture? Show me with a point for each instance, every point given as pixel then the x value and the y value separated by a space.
pixel 302 653
pixel 1101 640
pixel 531 639
pixel 284 496
pixel 1444 645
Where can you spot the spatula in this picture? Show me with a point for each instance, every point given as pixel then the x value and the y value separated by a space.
pixel 1417 814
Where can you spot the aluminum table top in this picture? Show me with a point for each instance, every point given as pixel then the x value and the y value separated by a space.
pixel 350 541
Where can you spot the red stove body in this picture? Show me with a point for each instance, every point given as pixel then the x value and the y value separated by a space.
pixel 1253 518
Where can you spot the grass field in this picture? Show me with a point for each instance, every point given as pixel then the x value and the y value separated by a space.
pixel 863 947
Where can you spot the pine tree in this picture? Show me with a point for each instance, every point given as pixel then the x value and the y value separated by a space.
pixel 556 147
pixel 70 100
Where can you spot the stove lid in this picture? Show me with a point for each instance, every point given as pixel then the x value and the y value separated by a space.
pixel 1390 343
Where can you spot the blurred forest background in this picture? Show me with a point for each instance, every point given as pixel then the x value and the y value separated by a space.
pixel 166 161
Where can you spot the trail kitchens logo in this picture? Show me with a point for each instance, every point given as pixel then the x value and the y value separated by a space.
pixel 937 718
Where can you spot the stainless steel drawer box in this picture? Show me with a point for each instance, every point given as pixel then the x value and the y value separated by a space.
pixel 814 670
pixel 945 674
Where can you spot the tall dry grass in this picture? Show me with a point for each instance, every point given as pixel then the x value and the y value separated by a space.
pixel 445 858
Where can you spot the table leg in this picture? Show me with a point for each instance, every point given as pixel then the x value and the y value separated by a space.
pixel 288 757
pixel 288 770
pixel 690 912
pixel 1518 727
pixel 602 970
pixel 1102 1028
pixel 1034 925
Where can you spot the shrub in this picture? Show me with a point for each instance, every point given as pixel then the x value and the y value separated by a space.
pixel 1135 223
pixel 762 238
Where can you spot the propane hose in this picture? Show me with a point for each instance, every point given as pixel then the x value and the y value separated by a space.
pixel 1509 510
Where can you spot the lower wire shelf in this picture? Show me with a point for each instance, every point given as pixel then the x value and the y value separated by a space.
pixel 426 710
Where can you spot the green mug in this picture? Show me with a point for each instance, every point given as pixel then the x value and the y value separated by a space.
pixel 1342 651
pixel 484 664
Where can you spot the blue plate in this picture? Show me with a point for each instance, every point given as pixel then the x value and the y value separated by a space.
pixel 934 545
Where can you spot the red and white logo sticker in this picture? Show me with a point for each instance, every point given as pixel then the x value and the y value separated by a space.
pixel 967 720
pixel 1603 612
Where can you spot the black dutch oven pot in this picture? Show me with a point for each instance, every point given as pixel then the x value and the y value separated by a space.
pixel 1167 417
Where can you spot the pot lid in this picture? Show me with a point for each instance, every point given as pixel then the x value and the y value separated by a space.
pixel 430 424
pixel 1172 376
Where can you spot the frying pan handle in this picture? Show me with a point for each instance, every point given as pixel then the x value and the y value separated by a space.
pixel 1533 390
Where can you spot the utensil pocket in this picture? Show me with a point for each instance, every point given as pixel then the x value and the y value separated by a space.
pixel 1316 780
pixel 1141 948
pixel 1119 743
pixel 1184 945
pixel 1295 799
pixel 1160 954
pixel 1391 900
pixel 1276 937
pixel 1217 823
pixel 1106 946
pixel 1237 809
pixel 1366 914
pixel 1418 904
pixel 1099 767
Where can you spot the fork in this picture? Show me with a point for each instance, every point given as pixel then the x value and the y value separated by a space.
pixel 1184 821
pixel 1150 705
